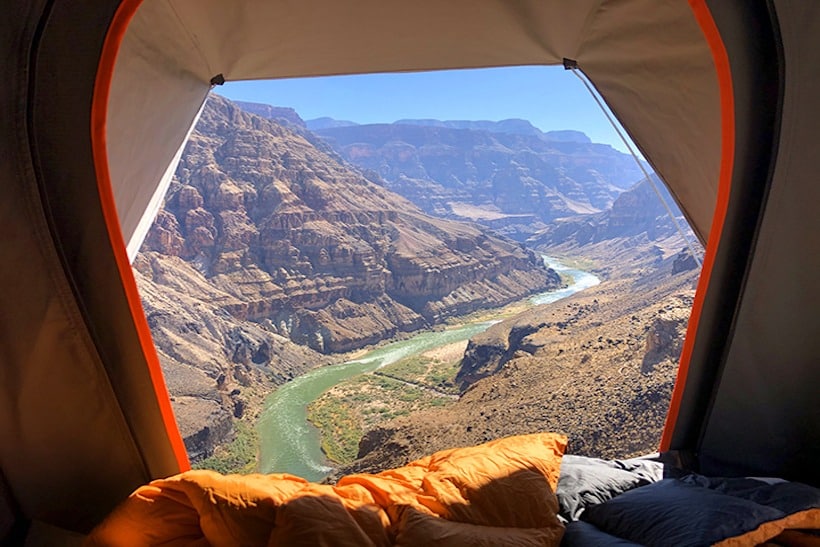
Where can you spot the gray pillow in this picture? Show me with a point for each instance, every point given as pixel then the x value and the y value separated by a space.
pixel 589 481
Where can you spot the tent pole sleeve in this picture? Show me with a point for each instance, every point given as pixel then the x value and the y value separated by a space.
pixel 727 112
pixel 99 112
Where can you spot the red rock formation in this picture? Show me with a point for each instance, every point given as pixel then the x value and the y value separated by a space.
pixel 332 260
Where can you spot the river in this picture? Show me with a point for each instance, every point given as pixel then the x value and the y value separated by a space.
pixel 290 444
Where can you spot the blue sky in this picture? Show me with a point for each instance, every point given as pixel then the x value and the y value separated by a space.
pixel 549 97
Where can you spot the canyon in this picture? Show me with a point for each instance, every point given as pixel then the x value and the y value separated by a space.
pixel 598 366
pixel 506 175
pixel 270 255
pixel 279 250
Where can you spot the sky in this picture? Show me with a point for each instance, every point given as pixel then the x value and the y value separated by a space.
pixel 548 96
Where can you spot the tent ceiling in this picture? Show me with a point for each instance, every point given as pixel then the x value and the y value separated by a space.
pixel 253 40
pixel 649 61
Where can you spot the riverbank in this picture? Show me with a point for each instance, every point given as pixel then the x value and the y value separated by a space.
pixel 289 443
pixel 598 367
pixel 345 412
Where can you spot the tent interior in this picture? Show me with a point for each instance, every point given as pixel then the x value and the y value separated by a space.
pixel 720 97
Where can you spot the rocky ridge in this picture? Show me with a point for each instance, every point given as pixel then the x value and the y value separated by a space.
pixel 598 366
pixel 507 175
pixel 282 115
pixel 636 213
pixel 514 126
pixel 326 257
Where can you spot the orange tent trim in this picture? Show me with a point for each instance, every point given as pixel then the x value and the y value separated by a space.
pixel 99 112
pixel 727 113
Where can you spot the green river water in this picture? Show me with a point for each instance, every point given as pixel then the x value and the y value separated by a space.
pixel 290 444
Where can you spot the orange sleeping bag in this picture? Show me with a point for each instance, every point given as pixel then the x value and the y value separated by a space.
pixel 499 493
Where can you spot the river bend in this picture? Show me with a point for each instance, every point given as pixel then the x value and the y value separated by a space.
pixel 290 444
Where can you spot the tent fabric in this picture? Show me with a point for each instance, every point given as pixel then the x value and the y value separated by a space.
pixel 677 419
pixel 99 128
pixel 771 375
pixel 157 92
pixel 79 418
pixel 498 493
pixel 174 47
pixel 749 403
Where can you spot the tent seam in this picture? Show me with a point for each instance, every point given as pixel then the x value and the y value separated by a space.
pixel 191 38
pixel 720 58
pixel 590 19
pixel 752 256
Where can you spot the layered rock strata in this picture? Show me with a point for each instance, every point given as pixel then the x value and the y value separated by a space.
pixel 327 258
pixel 268 250
pixel 508 175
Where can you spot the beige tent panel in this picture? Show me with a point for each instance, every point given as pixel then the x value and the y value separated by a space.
pixel 174 47
pixel 656 72
pixel 156 95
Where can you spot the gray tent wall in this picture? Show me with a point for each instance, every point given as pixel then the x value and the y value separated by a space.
pixel 81 417
pixel 759 412
pixel 80 422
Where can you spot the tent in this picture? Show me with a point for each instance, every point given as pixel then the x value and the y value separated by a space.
pixel 721 97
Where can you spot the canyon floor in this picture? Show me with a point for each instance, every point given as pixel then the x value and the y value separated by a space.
pixel 598 366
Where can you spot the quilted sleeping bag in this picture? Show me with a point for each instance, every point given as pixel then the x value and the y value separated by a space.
pixel 497 494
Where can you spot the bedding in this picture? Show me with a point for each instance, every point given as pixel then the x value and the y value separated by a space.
pixel 589 481
pixel 503 493
pixel 497 494
pixel 696 510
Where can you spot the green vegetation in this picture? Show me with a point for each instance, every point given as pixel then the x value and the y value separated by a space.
pixel 426 372
pixel 443 376
pixel 346 412
pixel 409 368
pixel 339 422
pixel 238 456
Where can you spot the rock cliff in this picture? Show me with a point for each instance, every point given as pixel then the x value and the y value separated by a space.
pixel 328 258
pixel 637 211
pixel 282 115
pixel 216 366
pixel 266 241
pixel 508 174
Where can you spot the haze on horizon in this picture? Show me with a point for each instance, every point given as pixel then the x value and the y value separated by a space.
pixel 549 97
